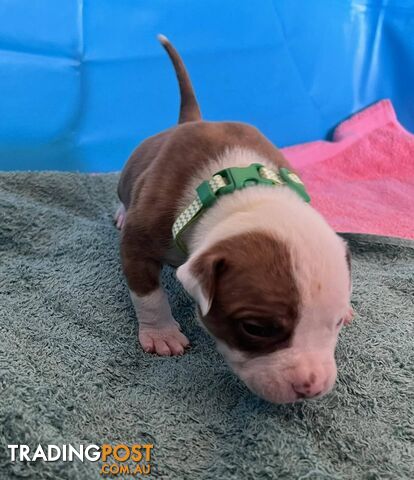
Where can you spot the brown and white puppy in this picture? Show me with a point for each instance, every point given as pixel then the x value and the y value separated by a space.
pixel 269 275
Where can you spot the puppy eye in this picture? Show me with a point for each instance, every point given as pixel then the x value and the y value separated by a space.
pixel 259 330
pixel 339 323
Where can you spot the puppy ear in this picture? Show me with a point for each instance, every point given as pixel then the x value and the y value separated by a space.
pixel 349 316
pixel 350 313
pixel 349 263
pixel 198 276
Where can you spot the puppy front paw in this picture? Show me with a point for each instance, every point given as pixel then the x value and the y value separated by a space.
pixel 163 341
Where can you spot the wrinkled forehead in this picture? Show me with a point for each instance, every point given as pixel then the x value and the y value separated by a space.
pixel 260 283
pixel 323 277
pixel 299 293
pixel 256 286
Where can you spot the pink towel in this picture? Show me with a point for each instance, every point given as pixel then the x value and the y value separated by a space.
pixel 362 181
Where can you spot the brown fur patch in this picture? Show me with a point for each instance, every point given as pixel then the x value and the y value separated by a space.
pixel 250 279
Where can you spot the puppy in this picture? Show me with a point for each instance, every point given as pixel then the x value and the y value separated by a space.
pixel 270 277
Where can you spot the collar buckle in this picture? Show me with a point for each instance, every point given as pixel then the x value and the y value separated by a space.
pixel 231 179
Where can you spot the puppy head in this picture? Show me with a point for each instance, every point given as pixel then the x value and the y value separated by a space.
pixel 274 309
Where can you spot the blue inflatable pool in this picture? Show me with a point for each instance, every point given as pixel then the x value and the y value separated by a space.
pixel 83 81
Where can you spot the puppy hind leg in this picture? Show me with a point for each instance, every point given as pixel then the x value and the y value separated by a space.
pixel 119 217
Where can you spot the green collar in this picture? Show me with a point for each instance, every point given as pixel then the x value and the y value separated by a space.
pixel 227 181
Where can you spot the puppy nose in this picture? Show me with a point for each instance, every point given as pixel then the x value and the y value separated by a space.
pixel 310 388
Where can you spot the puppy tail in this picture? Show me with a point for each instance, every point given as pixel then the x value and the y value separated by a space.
pixel 189 109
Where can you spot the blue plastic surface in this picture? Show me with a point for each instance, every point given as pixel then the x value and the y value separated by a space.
pixel 83 82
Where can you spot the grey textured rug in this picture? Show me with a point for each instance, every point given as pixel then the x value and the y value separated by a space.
pixel 71 370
